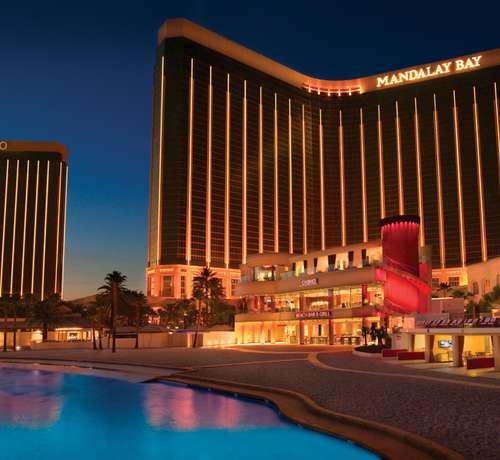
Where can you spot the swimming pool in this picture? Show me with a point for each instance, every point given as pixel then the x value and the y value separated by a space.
pixel 53 415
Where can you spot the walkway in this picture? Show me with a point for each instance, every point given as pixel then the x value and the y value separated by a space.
pixel 458 412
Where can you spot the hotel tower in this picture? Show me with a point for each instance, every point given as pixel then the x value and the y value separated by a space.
pixel 33 178
pixel 251 157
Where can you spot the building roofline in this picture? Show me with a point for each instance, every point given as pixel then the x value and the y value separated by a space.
pixel 7 145
pixel 184 28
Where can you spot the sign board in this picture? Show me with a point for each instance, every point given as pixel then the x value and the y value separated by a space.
pixel 314 314
pixel 309 282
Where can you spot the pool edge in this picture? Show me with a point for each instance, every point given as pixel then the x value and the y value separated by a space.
pixel 382 439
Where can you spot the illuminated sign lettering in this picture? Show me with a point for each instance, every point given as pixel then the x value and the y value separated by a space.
pixel 309 282
pixel 3 145
pixel 429 71
pixel 314 314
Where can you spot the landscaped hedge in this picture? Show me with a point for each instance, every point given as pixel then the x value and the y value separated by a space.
pixel 370 348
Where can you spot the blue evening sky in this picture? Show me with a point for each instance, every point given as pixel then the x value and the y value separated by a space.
pixel 81 73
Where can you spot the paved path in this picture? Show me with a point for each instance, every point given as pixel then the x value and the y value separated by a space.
pixel 459 412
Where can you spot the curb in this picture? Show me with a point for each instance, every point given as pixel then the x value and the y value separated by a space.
pixel 386 441
pixel 362 354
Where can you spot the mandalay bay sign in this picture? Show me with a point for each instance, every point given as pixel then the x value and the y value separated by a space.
pixel 430 71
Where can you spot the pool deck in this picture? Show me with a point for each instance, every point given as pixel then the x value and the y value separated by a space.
pixel 409 410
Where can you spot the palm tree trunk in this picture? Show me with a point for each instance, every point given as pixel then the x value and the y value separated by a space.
pixel 45 332
pixel 94 343
pixel 100 338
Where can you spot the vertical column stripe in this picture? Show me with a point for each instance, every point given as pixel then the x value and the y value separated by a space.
pixel 160 166
pixel 35 224
pixel 6 192
pixel 321 182
pixel 458 165
pixel 24 225
pixel 363 176
pixel 189 197
pixel 342 182
pixel 12 262
pixel 419 177
pixel 227 202
pixel 304 183
pixel 56 275
pixel 290 179
pixel 480 187
pixel 208 203
pixel 381 164
pixel 276 189
pixel 401 199
pixel 42 289
pixel 261 179
pixel 437 147
pixel 64 233
pixel 497 129
pixel 244 178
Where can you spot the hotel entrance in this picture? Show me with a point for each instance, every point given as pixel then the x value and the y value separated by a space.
pixel 317 332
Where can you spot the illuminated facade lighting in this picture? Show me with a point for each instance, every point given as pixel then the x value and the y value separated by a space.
pixel 458 163
pixel 35 224
pixel 47 186
pixel 56 274
pixel 252 156
pixel 20 216
pixel 189 191
pixel 480 187
pixel 304 183
pixel 14 231
pixel 380 164
pixel 497 130
pixel 208 202
pixel 290 179
pixel 342 182
pixel 437 144
pixel 321 182
pixel 64 233
pixel 227 176
pixel 401 200
pixel 24 225
pixel 6 194
pixel 363 175
pixel 276 177
pixel 160 164
pixel 418 156
pixel 261 178
pixel 244 178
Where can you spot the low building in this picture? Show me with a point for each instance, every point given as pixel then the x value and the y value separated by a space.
pixel 325 297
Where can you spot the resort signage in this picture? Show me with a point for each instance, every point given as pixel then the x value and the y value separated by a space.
pixel 308 282
pixel 3 145
pixel 314 314
pixel 429 71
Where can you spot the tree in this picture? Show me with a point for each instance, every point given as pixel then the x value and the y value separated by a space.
pixel 114 284
pixel 207 290
pixel 365 332
pixel 178 314
pixel 135 307
pixel 46 313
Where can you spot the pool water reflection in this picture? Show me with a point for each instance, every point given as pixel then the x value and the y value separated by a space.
pixel 49 415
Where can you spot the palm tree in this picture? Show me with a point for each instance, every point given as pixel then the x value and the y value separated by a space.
pixel 207 290
pixel 137 306
pixel 112 288
pixel 46 313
